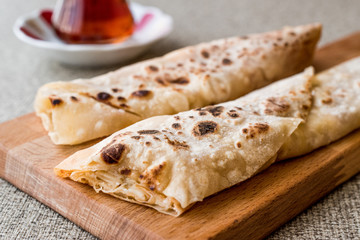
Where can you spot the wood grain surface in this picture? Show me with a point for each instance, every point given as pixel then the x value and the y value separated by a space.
pixel 250 210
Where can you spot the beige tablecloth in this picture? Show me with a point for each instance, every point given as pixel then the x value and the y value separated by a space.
pixel 23 70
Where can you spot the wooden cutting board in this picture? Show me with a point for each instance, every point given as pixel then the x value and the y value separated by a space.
pixel 250 210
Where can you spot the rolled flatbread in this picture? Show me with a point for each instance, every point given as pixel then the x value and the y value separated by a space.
pixel 171 162
pixel 209 73
pixel 335 111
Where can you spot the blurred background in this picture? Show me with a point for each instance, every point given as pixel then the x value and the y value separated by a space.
pixel 23 69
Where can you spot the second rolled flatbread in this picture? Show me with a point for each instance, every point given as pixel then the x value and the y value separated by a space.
pixel 208 73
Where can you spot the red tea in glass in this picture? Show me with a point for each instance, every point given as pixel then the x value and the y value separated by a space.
pixel 92 21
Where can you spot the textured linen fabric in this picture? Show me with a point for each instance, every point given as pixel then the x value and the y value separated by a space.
pixel 23 70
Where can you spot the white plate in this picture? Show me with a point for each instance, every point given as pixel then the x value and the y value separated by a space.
pixel 151 25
